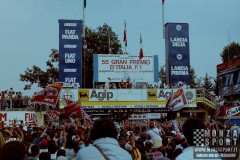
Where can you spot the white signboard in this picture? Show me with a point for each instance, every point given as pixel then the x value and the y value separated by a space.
pixel 123 106
pixel 147 116
pixel 131 95
pixel 119 68
pixel 26 116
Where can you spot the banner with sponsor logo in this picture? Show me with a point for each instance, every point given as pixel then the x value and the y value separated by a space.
pixel 147 116
pixel 165 94
pixel 231 64
pixel 124 98
pixel 228 112
pixel 7 117
pixel 120 68
pixel 177 52
pixel 70 53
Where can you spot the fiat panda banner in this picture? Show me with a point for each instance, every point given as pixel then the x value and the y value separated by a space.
pixel 70 53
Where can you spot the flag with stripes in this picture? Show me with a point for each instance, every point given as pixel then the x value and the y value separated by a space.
pixel 33 121
pixel 177 101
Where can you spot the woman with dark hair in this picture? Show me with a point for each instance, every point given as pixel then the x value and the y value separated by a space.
pixel 14 150
pixel 105 144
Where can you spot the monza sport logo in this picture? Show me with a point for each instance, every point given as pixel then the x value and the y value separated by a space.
pixel 216 143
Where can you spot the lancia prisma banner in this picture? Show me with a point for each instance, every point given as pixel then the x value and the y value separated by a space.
pixel 70 53
pixel 178 60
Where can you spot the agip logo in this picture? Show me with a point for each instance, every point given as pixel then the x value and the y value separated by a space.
pixel 83 95
pixel 152 94
pixel 101 95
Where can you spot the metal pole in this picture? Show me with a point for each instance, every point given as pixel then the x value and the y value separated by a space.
pixel 84 44
pixel 163 21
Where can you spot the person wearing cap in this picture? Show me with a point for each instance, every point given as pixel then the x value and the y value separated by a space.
pixel 154 134
pixel 43 145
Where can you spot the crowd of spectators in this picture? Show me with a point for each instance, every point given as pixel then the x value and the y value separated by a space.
pixel 105 139
pixel 10 99
pixel 140 85
pixel 228 101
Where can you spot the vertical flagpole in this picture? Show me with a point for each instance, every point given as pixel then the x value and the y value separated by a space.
pixel 125 34
pixel 163 19
pixel 84 44
pixel 109 42
pixel 228 44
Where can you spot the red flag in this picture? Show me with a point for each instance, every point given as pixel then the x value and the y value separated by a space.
pixel 73 110
pixel 52 114
pixel 177 101
pixel 163 2
pixel 49 95
pixel 125 34
pixel 87 118
pixel 141 50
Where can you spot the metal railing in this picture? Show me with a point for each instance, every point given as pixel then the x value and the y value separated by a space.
pixel 204 96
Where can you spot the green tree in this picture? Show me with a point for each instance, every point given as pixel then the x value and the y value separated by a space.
pixel 230 51
pixel 162 74
pixel 207 83
pixel 103 40
pixel 193 76
pixel 36 75
pixel 96 41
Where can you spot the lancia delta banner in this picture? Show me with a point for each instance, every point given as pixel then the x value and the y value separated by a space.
pixel 177 52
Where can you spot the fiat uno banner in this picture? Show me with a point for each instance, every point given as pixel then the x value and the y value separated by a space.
pixel 70 53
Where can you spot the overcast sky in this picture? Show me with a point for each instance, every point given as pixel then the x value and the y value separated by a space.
pixel 29 30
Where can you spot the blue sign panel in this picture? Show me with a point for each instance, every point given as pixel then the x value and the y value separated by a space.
pixel 178 59
pixel 70 53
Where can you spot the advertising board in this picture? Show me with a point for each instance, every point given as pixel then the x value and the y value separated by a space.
pixel 120 68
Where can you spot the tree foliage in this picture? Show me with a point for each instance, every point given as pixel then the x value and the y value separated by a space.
pixel 96 41
pixel 207 83
pixel 230 51
pixel 162 74
pixel 36 75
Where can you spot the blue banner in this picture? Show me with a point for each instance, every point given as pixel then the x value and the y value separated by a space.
pixel 70 53
pixel 177 52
